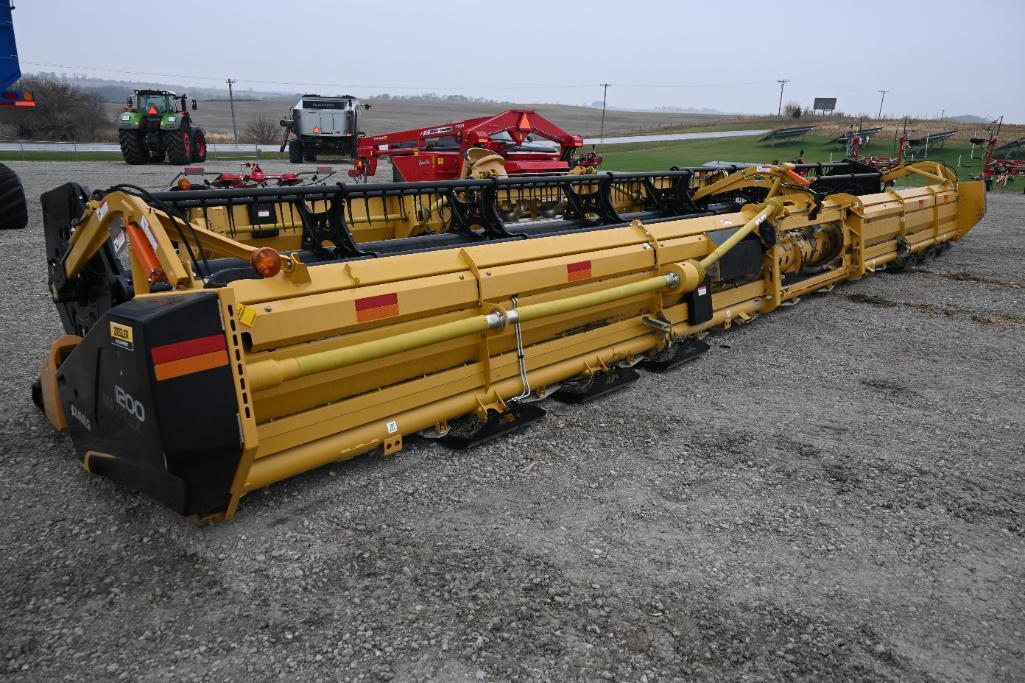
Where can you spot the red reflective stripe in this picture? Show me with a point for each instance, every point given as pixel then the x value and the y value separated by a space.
pixel 581 270
pixel 190 365
pixel 377 301
pixel 185 349
pixel 378 313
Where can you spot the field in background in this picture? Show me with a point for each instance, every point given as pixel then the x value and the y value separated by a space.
pixel 654 156
pixel 391 115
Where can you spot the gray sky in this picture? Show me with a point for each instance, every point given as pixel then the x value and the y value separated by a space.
pixel 962 57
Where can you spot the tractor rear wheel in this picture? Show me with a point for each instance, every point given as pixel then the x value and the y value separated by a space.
pixel 131 147
pixel 295 151
pixel 198 146
pixel 13 207
pixel 179 146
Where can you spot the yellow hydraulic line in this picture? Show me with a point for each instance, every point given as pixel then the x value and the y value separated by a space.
pixel 573 303
pixel 772 207
pixel 270 373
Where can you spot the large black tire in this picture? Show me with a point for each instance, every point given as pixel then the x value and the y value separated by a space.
pixel 198 146
pixel 179 146
pixel 131 147
pixel 13 207
pixel 310 154
pixel 295 151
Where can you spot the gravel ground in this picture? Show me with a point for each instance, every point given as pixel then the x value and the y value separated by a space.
pixel 833 492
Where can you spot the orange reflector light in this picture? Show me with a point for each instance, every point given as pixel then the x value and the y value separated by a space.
pixel 316 130
pixel 184 184
pixel 266 261
pixel 152 110
pixel 524 123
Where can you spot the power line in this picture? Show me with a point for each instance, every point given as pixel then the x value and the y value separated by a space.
pixel 604 99
pixel 231 98
pixel 782 82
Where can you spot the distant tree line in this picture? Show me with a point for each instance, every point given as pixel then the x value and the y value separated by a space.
pixel 63 112
pixel 434 97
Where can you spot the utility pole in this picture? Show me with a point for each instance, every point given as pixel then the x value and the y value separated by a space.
pixel 943 112
pixel 782 82
pixel 604 99
pixel 231 99
pixel 881 99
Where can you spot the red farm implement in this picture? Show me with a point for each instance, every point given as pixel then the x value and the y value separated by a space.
pixel 251 174
pixel 1000 171
pixel 515 143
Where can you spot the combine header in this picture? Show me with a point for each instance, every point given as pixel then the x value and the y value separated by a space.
pixel 197 368
pixel 515 142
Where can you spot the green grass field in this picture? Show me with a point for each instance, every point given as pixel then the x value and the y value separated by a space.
pixel 663 155
pixel 650 156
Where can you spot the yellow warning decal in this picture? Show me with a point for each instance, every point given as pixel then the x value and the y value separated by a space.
pixel 246 315
pixel 121 336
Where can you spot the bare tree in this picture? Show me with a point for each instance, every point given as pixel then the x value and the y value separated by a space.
pixel 63 112
pixel 262 131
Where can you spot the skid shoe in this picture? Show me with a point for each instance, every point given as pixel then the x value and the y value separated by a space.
pixel 680 354
pixel 596 385
pixel 516 417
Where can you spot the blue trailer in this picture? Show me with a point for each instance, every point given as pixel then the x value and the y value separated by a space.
pixel 13 207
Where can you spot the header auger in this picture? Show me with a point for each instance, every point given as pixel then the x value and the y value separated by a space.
pixel 279 360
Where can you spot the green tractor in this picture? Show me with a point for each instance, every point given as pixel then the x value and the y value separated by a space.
pixel 155 124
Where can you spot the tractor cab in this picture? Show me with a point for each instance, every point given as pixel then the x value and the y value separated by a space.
pixel 154 104
pixel 158 103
